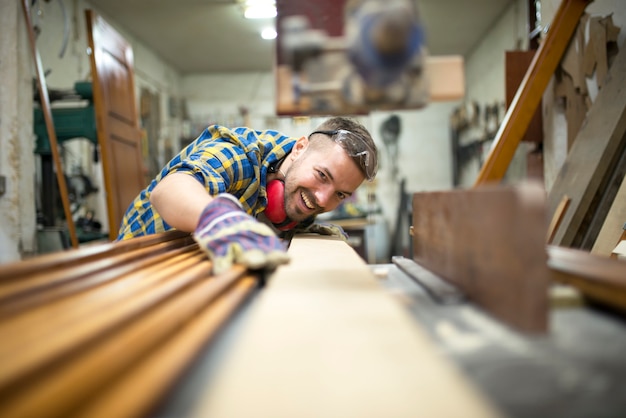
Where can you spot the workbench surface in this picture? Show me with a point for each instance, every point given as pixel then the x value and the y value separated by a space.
pixel 576 370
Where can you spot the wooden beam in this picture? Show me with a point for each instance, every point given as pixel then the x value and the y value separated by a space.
pixel 77 333
pixel 557 217
pixel 47 114
pixel 612 231
pixel 594 156
pixel 117 123
pixel 530 92
pixel 599 278
pixel 325 340
pixel 490 243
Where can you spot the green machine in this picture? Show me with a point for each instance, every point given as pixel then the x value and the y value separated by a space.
pixel 70 122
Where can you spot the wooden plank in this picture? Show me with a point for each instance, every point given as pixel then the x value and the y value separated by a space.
pixel 612 231
pixel 600 278
pixel 117 122
pixel 516 64
pixel 27 269
pixel 158 372
pixel 592 158
pixel 557 217
pixel 489 242
pixel 47 114
pixel 325 340
pixel 138 319
pixel 530 92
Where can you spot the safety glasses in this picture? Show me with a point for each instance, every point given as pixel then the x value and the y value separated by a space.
pixel 356 146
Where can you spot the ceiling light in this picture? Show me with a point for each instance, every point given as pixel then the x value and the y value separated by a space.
pixel 259 9
pixel 268 33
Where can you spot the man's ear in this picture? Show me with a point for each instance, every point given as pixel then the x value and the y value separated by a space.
pixel 301 144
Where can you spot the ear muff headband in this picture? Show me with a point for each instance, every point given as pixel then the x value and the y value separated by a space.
pixel 275 210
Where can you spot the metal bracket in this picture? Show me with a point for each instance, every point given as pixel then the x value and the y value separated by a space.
pixel 441 291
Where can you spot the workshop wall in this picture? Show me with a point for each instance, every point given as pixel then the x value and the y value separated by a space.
pixel 17 188
pixel 555 123
pixel 485 78
pixel 65 63
pixel 423 154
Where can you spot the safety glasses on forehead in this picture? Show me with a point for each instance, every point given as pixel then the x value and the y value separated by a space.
pixel 355 146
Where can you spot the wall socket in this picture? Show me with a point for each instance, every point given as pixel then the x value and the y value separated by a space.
pixel 3 185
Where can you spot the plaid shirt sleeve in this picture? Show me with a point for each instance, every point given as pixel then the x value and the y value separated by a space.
pixel 223 160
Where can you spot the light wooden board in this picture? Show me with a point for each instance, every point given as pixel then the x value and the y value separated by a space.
pixel 600 139
pixel 612 228
pixel 326 340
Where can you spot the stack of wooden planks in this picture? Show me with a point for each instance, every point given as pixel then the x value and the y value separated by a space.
pixel 105 330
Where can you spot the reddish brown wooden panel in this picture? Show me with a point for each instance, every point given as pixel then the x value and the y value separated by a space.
pixel 117 123
pixel 516 64
pixel 490 242
pixel 599 278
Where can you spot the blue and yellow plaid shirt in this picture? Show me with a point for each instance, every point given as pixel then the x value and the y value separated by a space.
pixel 234 161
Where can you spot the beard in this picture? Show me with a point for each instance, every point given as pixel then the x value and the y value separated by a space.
pixel 293 199
pixel 292 203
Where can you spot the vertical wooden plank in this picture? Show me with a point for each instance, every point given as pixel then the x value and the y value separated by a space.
pixel 592 159
pixel 47 113
pixel 528 96
pixel 516 65
pixel 117 122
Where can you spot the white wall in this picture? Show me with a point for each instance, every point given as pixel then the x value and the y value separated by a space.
pixel 17 160
pixel 425 155
pixel 17 209
pixel 485 76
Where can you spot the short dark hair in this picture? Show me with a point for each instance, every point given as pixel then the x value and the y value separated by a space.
pixel 355 139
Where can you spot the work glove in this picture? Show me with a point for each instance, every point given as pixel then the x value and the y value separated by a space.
pixel 325 229
pixel 229 235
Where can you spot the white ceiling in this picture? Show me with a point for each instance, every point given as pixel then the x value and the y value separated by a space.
pixel 200 36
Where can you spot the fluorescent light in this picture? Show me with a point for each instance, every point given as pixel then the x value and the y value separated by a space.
pixel 259 9
pixel 268 33
pixel 259 12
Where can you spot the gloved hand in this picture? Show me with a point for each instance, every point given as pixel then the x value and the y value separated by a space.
pixel 229 235
pixel 326 229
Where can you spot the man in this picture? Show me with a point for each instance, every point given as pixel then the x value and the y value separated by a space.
pixel 222 182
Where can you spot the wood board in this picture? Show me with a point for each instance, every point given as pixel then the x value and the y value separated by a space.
pixel 326 340
pixel 119 137
pixel 612 229
pixel 592 158
pixel 112 317
pixel 489 242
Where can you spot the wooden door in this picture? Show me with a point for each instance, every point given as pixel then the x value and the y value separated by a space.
pixel 117 124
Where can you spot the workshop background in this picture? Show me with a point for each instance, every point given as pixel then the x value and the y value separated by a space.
pixel 432 151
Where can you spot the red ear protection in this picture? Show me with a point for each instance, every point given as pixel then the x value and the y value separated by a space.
pixel 275 210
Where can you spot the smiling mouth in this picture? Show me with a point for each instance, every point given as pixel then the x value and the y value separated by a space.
pixel 307 201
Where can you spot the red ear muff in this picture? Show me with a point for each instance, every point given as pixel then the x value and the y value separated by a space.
pixel 275 210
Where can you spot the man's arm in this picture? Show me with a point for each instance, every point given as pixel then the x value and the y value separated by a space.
pixel 180 199
pixel 219 224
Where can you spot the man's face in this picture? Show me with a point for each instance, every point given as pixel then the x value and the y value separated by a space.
pixel 318 180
